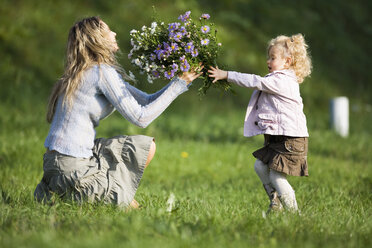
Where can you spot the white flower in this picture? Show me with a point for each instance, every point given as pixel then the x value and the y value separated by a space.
pixel 147 68
pixel 133 31
pixel 153 27
pixel 170 202
pixel 153 66
pixel 150 79
pixel 143 28
pixel 137 62
pixel 264 214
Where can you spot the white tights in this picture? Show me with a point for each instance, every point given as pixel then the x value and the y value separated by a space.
pixel 279 182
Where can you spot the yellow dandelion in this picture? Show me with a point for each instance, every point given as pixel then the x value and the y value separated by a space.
pixel 184 154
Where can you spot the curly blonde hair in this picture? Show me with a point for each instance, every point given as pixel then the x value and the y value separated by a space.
pixel 294 47
pixel 87 45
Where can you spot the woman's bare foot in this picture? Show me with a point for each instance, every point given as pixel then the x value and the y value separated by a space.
pixel 134 204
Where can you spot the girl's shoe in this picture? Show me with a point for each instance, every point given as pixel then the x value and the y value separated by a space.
pixel 275 204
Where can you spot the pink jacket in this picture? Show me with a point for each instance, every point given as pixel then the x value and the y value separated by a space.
pixel 275 106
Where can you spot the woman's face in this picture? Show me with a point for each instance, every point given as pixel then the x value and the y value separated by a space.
pixel 111 37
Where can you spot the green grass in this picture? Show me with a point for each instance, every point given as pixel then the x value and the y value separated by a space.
pixel 219 199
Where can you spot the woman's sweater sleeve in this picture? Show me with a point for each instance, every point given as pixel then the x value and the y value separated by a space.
pixel 144 98
pixel 147 108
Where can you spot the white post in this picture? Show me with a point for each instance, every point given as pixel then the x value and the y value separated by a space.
pixel 339 109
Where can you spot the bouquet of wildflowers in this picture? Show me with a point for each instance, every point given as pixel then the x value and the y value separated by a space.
pixel 163 51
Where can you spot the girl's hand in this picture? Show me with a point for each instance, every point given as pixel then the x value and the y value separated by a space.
pixel 191 75
pixel 217 74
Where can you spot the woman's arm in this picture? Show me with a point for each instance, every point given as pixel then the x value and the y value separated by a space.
pixel 119 95
pixel 144 98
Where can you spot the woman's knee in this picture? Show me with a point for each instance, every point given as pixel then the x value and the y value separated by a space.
pixel 151 153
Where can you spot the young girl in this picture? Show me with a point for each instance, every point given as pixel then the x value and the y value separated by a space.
pixel 276 110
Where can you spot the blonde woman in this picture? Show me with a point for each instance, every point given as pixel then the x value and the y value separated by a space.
pixel 76 165
pixel 276 110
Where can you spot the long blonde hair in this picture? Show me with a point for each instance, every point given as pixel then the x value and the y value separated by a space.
pixel 87 45
pixel 296 48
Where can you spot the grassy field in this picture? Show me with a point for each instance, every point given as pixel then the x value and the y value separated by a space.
pixel 204 161
pixel 202 158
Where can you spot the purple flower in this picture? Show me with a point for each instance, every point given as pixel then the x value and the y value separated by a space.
pixel 185 66
pixel 173 26
pixel 183 58
pixel 169 74
pixel 205 29
pixel 155 74
pixel 161 54
pixel 183 30
pixel 205 42
pixel 174 46
pixel 167 47
pixel 158 49
pixel 194 53
pixel 152 57
pixel 185 17
pixel 189 47
pixel 174 67
pixel 177 36
pixel 205 16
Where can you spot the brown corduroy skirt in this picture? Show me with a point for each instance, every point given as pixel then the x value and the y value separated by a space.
pixel 285 154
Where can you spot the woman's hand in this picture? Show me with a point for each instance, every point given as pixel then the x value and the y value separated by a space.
pixel 191 75
pixel 217 74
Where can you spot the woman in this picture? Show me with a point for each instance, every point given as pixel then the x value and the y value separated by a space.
pixel 76 165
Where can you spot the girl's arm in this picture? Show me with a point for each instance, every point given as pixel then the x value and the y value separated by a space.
pixel 273 84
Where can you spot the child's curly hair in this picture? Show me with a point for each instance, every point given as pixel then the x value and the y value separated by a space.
pixel 296 48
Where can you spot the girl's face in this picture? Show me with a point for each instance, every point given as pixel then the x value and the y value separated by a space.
pixel 111 37
pixel 276 61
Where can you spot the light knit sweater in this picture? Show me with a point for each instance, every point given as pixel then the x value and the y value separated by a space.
pixel 72 132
